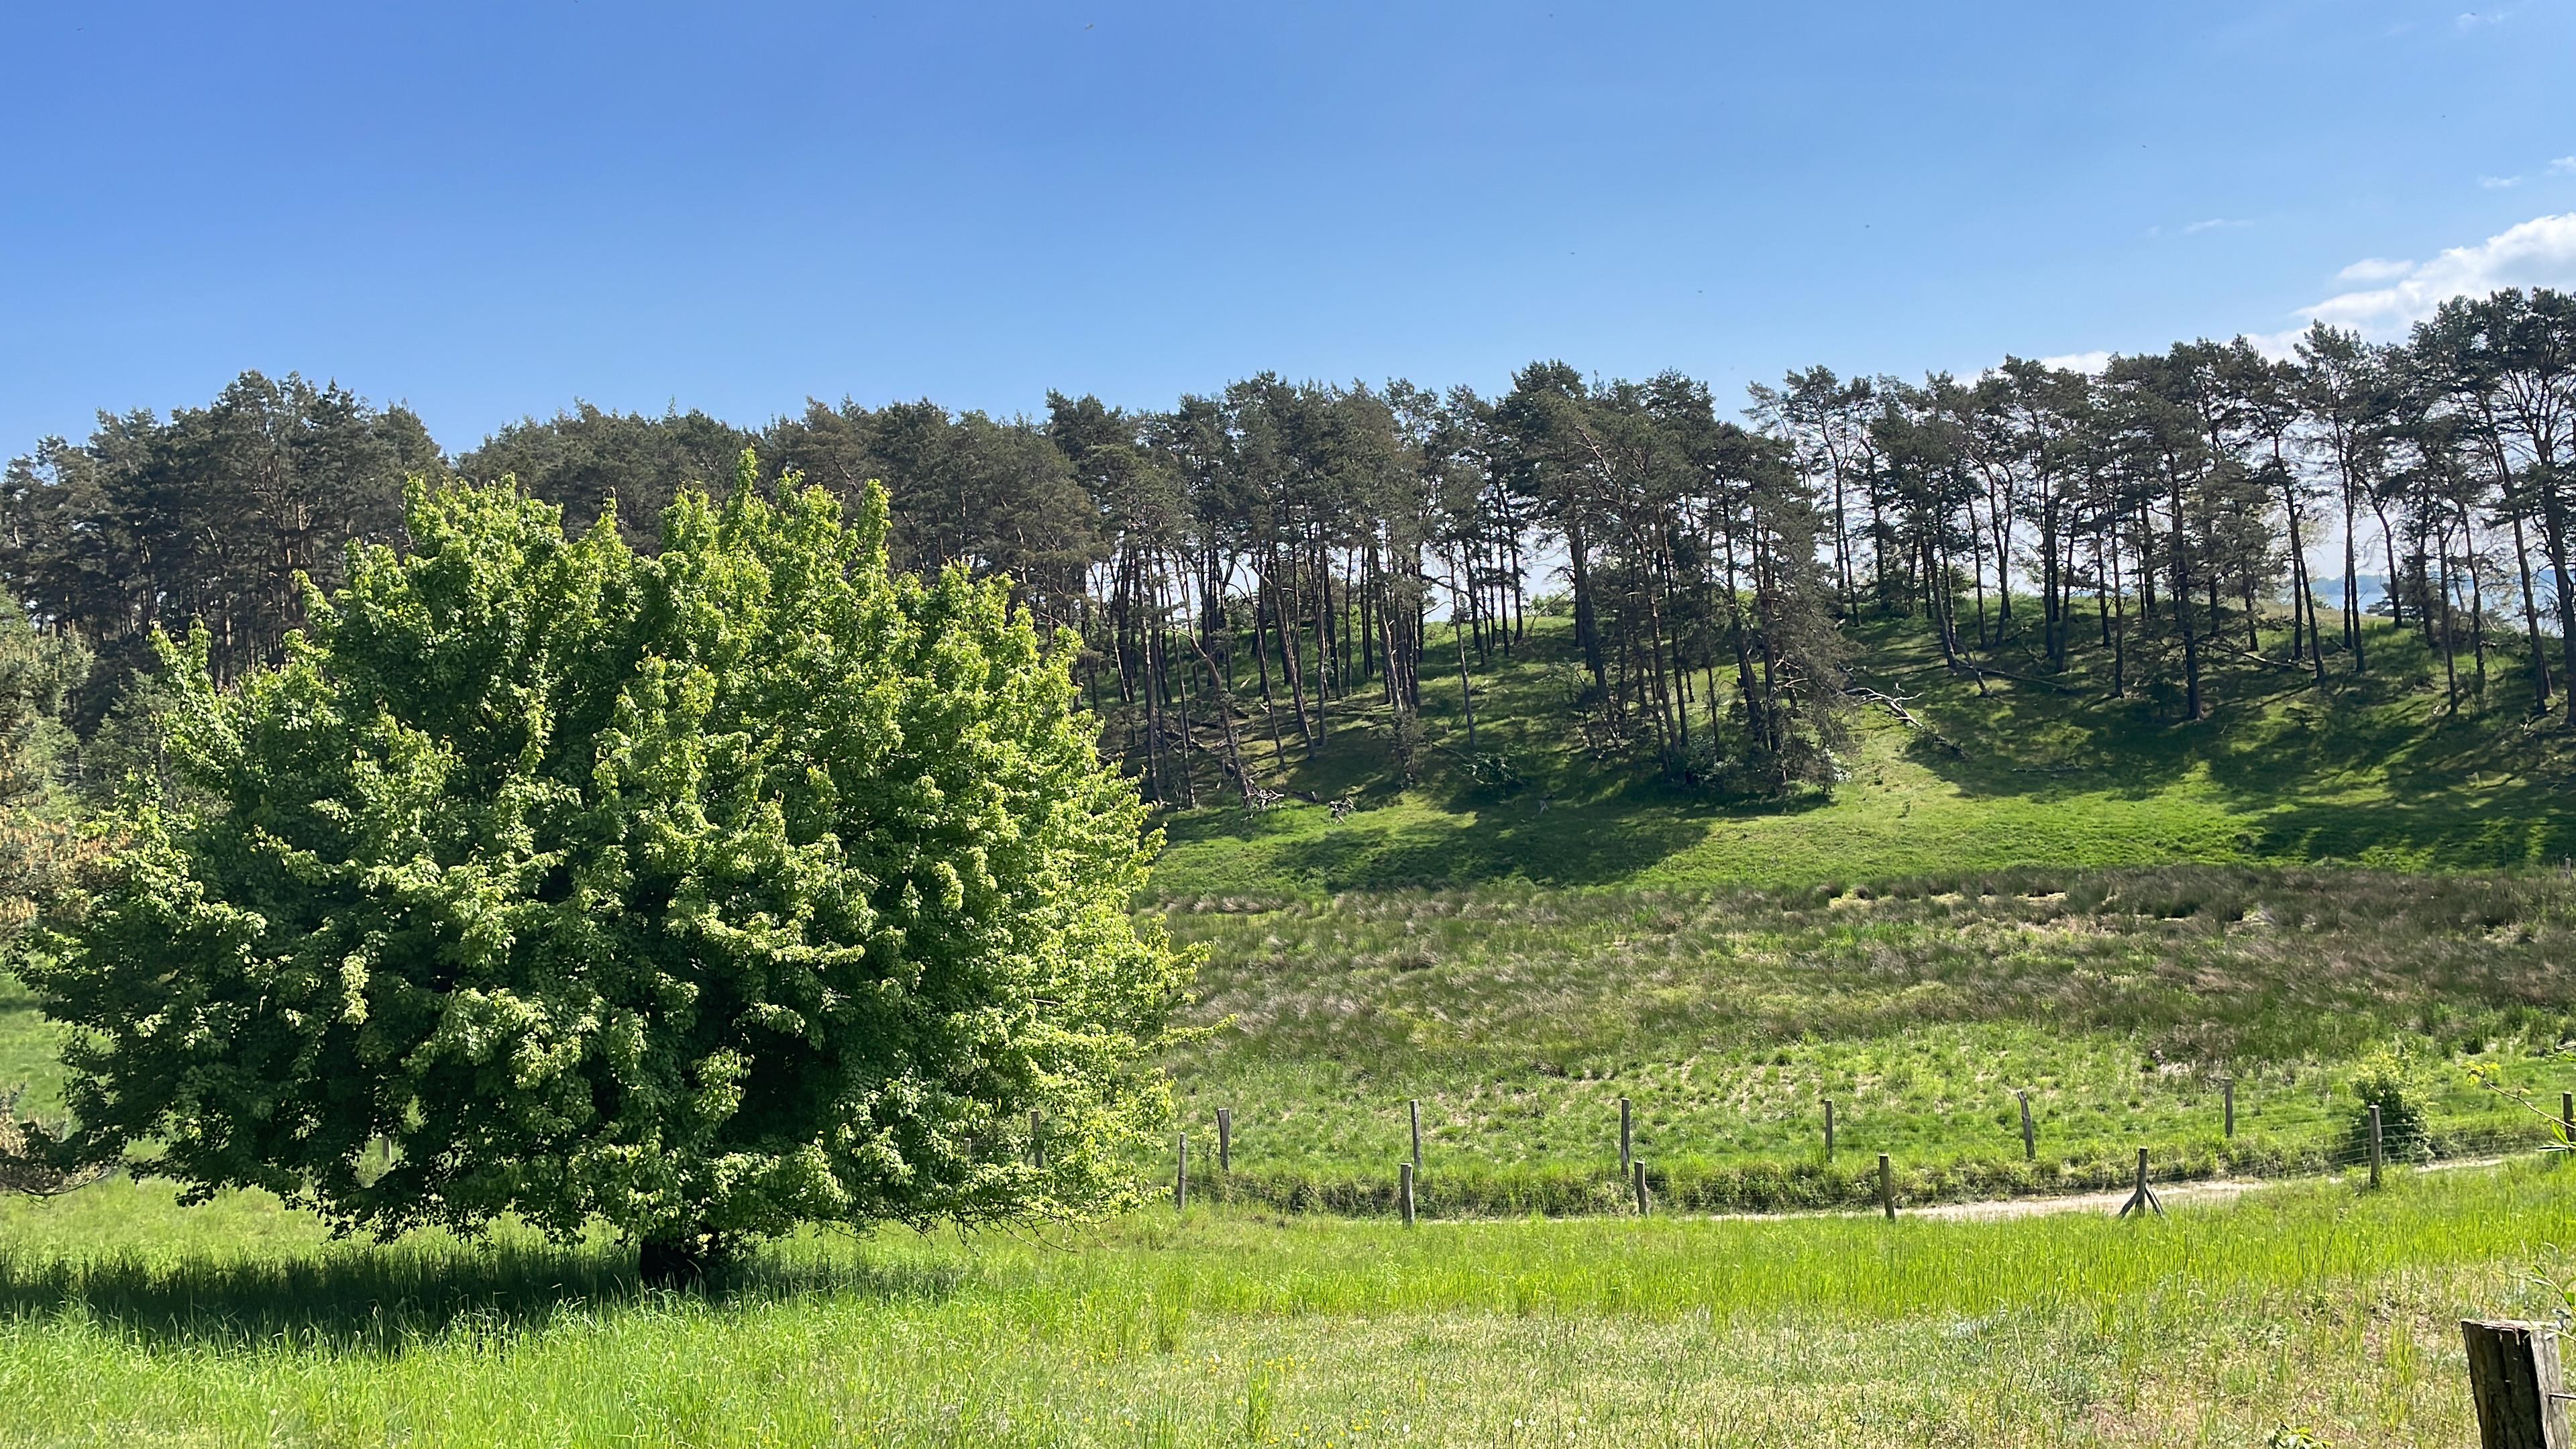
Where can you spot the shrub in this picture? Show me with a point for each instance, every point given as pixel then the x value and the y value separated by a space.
pixel 2388 1082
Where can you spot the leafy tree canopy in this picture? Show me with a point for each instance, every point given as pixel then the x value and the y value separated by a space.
pixel 702 894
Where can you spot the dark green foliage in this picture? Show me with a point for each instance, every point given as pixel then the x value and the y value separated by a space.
pixel 996 497
pixel 206 517
pixel 592 462
pixel 701 894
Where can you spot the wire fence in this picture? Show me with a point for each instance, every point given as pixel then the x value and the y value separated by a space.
pixel 1418 1180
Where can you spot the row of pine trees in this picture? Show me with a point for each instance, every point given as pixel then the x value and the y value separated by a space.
pixel 1251 571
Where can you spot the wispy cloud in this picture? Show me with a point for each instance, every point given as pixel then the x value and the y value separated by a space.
pixel 2540 252
pixel 2499 183
pixel 2087 362
pixel 2563 166
pixel 2213 224
pixel 2475 19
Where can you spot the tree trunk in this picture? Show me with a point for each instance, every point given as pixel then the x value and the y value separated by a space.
pixel 680 1260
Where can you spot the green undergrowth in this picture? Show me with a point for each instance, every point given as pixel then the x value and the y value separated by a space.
pixel 2321 1308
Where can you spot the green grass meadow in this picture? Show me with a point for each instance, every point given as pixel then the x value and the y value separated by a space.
pixel 2120 1002
pixel 2322 1307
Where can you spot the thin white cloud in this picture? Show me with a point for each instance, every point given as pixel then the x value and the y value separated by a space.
pixel 2473 19
pixel 2213 224
pixel 2499 183
pixel 2563 166
pixel 2374 269
pixel 2540 252
pixel 2085 362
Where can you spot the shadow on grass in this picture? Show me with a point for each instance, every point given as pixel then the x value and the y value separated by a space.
pixel 386 1299
pixel 1597 842
pixel 2348 768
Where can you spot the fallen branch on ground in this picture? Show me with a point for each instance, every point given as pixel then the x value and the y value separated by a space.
pixel 1895 706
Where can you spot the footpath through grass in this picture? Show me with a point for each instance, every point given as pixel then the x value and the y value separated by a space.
pixel 2323 1307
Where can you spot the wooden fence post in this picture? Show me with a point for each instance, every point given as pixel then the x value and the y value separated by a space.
pixel 1627 1151
pixel 1037 1142
pixel 1637 1171
pixel 1886 1187
pixel 2374 1144
pixel 1414 1109
pixel 2227 1093
pixel 1829 1129
pixel 2029 1138
pixel 1181 1176
pixel 2516 1383
pixel 2143 1198
pixel 1225 1139
pixel 1404 1191
pixel 2567 1117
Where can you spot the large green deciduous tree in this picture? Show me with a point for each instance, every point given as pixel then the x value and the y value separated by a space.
pixel 700 894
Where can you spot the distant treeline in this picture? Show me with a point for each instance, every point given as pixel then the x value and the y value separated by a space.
pixel 1246 568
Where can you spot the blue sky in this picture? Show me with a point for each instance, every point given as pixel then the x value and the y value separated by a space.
pixel 490 211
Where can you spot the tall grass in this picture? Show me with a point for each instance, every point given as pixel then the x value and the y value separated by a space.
pixel 2315 1305
pixel 2122 1003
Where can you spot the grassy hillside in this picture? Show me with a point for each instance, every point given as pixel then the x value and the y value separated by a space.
pixel 124 1320
pixel 2045 890
pixel 2370 771
pixel 2119 1001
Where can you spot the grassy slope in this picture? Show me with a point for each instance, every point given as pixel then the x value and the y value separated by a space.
pixel 130 1321
pixel 2370 771
pixel 1519 1020
pixel 1519 968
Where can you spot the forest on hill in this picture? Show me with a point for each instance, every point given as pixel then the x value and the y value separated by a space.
pixel 1248 570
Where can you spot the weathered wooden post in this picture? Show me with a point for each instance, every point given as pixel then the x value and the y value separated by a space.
pixel 2374 1144
pixel 1414 1108
pixel 1886 1187
pixel 2227 1094
pixel 2517 1385
pixel 1225 1139
pixel 1404 1191
pixel 1627 1150
pixel 1829 1129
pixel 2029 1138
pixel 1637 1173
pixel 1181 1176
pixel 1037 1140
pixel 2567 1117
pixel 2143 1198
